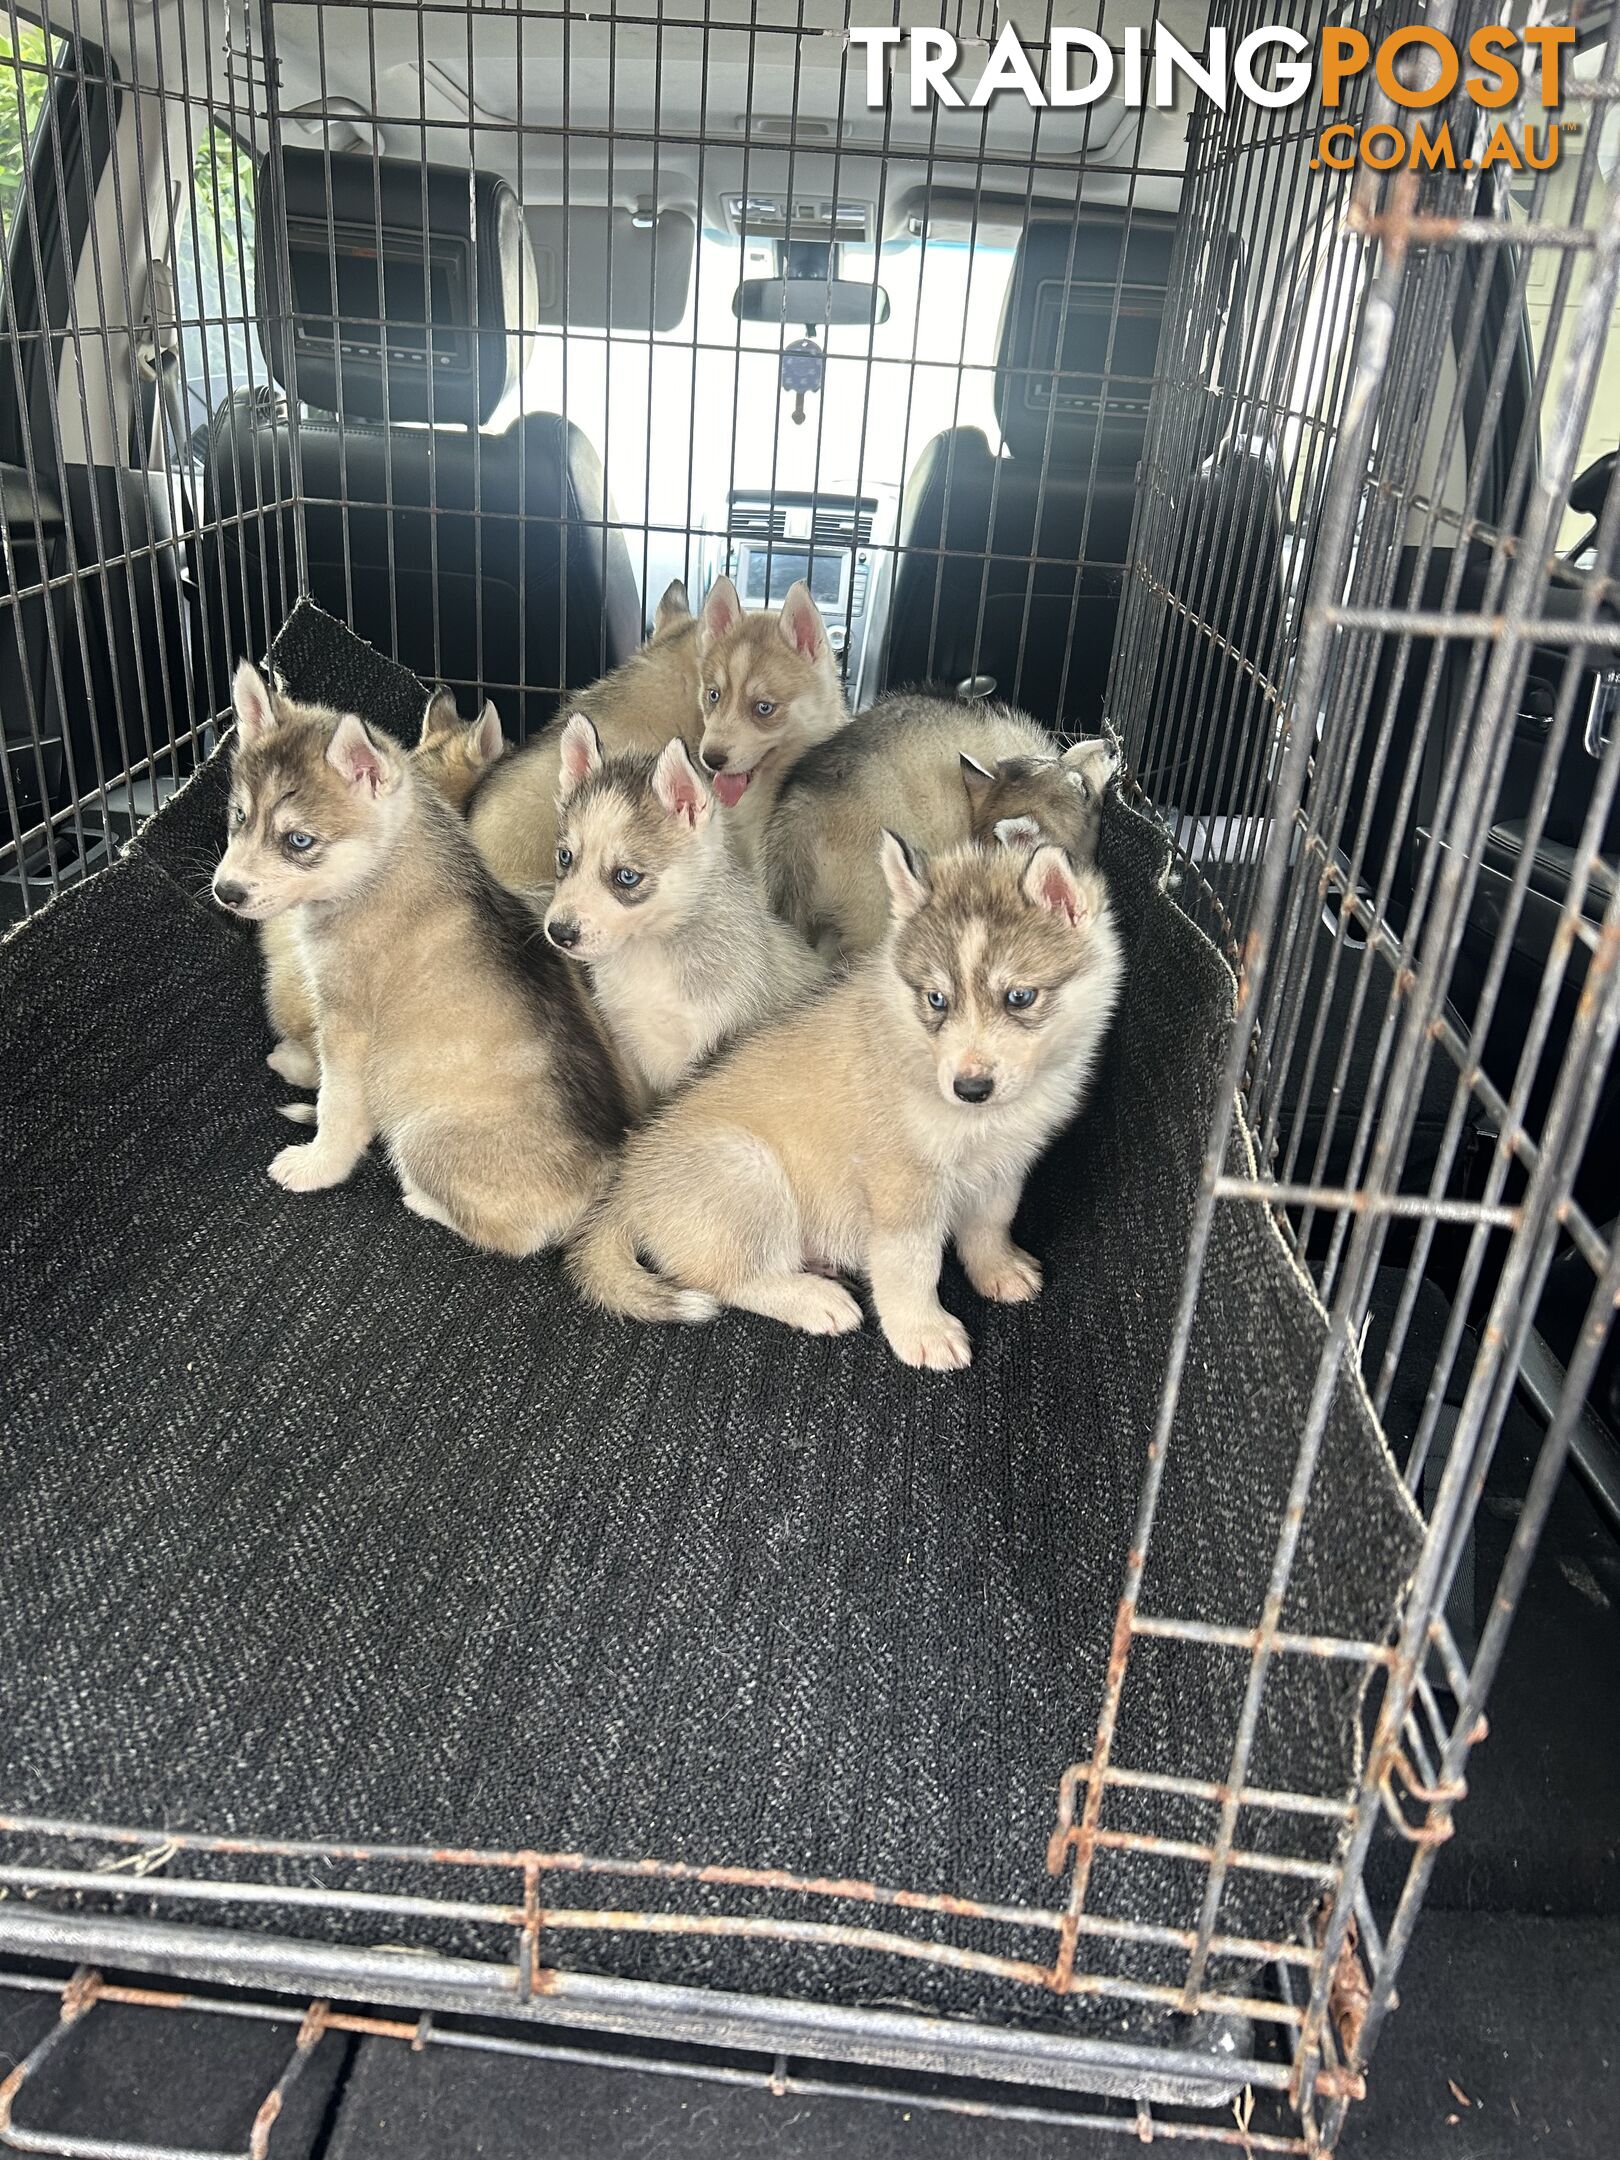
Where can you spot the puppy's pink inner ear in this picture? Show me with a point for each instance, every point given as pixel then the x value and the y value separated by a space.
pixel 1056 890
pixel 801 624
pixel 722 610
pixel 908 891
pixel 251 700
pixel 581 753
pixel 357 758
pixel 487 740
pixel 680 790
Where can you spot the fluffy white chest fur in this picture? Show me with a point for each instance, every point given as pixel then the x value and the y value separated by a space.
pixel 662 1014
pixel 669 1001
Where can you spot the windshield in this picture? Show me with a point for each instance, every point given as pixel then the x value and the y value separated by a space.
pixel 695 412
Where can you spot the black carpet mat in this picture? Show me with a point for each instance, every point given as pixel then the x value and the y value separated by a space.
pixel 317 1523
pixel 321 660
pixel 1539 1831
pixel 1503 2048
pixel 178 2079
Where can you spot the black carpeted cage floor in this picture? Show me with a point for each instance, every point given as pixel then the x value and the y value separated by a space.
pixel 317 1524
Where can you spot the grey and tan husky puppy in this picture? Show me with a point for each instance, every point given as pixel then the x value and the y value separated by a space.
pixel 446 1024
pixel 684 954
pixel 747 694
pixel 453 756
pixel 946 770
pixel 900 1109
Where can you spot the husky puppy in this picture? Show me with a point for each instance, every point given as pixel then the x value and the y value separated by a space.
pixel 900 1109
pixel 1025 798
pixel 447 1025
pixel 748 694
pixel 513 822
pixel 770 692
pixel 683 952
pixel 451 757
pixel 952 772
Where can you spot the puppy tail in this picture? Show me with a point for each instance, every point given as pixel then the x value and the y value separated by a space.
pixel 605 1267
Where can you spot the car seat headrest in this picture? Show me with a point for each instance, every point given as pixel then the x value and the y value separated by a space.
pixel 1060 386
pixel 411 286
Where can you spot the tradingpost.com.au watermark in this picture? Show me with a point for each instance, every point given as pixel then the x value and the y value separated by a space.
pixel 1417 68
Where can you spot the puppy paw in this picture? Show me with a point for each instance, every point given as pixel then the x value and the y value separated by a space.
pixel 833 1311
pixel 297 1113
pixel 1011 1277
pixel 937 1344
pixel 308 1168
pixel 423 1204
pixel 818 1306
pixel 296 1064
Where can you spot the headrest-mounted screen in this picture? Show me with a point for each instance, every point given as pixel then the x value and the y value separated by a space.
pixel 408 287
pixel 1080 338
pixel 1072 360
pixel 419 304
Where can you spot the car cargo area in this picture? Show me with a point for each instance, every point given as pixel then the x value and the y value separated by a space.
pixel 635 1593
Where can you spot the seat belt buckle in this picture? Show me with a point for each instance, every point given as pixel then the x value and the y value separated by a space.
pixel 158 344
pixel 1603 713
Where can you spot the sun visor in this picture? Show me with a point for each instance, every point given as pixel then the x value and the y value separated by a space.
pixel 605 269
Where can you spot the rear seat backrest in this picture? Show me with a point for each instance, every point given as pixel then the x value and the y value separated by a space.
pixel 487 560
pixel 1074 382
pixel 1082 340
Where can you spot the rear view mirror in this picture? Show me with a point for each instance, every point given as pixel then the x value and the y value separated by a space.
pixel 1591 490
pixel 809 300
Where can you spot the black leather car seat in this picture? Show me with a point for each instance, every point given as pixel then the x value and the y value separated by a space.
pixel 488 559
pixel 1012 568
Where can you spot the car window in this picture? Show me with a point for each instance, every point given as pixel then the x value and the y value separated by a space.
pixel 1335 269
pixel 27 60
pixel 213 277
pixel 1557 206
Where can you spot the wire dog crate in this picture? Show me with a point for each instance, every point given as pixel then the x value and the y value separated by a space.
pixel 1280 493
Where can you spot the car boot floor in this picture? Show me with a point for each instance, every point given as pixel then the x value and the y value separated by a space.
pixel 321 1525
pixel 1501 2048
pixel 1481 2065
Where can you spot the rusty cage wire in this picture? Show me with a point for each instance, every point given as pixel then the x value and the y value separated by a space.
pixel 1361 401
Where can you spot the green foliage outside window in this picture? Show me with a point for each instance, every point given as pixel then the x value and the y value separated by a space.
pixel 213 270
pixel 222 198
pixel 24 87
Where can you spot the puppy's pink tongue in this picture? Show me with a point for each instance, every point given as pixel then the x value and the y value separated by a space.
pixel 730 787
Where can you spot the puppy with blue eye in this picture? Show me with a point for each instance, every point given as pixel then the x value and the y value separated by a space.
pixel 898 1111
pixel 683 952
pixel 748 693
pixel 452 756
pixel 446 1027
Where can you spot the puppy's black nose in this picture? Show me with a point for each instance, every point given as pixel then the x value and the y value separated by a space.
pixel 715 760
pixel 228 893
pixel 973 1087
pixel 564 933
